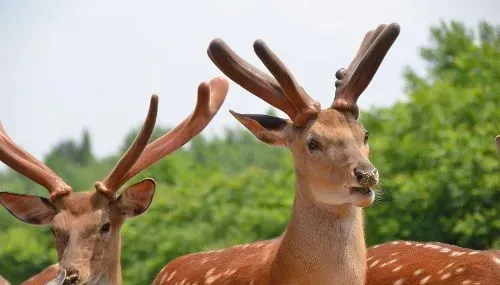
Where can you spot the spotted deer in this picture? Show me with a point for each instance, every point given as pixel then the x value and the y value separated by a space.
pixel 431 263
pixel 86 225
pixel 418 263
pixel 324 240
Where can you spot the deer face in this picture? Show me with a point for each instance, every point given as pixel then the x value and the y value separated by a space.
pixel 329 146
pixel 86 227
pixel 330 154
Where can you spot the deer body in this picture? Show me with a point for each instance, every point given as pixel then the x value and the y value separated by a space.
pixel 324 240
pixel 417 263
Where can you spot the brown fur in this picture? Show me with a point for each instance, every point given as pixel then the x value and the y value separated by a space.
pixel 324 240
pixel 416 263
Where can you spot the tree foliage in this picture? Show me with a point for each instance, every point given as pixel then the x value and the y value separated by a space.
pixel 440 173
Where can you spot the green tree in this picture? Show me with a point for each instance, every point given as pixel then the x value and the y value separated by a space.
pixel 435 150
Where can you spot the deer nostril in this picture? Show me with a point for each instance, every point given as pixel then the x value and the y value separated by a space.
pixel 72 277
pixel 366 178
pixel 359 174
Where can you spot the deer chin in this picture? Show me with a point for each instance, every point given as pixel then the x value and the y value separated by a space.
pixel 362 196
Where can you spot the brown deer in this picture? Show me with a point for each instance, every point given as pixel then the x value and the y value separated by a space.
pixel 418 263
pixel 324 240
pixel 86 225
pixel 432 263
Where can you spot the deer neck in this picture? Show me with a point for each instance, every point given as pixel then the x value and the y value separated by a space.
pixel 112 274
pixel 322 244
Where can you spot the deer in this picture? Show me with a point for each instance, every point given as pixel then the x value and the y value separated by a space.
pixel 86 225
pixel 324 240
pixel 419 263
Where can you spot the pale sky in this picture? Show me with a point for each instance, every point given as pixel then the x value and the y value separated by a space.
pixel 69 65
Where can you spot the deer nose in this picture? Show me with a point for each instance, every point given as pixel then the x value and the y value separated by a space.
pixel 366 178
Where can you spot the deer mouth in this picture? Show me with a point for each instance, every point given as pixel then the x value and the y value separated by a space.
pixel 363 191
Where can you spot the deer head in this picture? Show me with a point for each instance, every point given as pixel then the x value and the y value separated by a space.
pixel 86 225
pixel 329 146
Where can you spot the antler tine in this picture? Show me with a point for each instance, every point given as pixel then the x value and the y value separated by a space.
pixel 365 45
pixel 24 163
pixel 116 178
pixel 353 81
pixel 249 77
pixel 305 106
pixel 211 95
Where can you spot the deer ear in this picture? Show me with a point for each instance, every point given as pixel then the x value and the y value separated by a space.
pixel 269 129
pixel 28 208
pixel 136 199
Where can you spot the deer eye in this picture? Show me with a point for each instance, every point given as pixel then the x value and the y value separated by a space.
pixel 105 228
pixel 366 136
pixel 313 144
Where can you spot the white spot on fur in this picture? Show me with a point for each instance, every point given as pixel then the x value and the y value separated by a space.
pixel 425 280
pixel 389 262
pixel 211 279
pixel 445 250
pixel 445 276
pixel 395 253
pixel 375 263
pixel 397 268
pixel 210 272
pixel 395 242
pixel 399 282
pixel 460 270
pixel 376 246
pixel 446 267
pixel 408 243
pixel 369 258
pixel 473 253
pixel 465 282
pixel 418 272
pixel 171 275
pixel 419 244
pixel 496 260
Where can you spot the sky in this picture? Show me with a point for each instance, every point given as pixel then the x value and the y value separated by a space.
pixel 66 66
